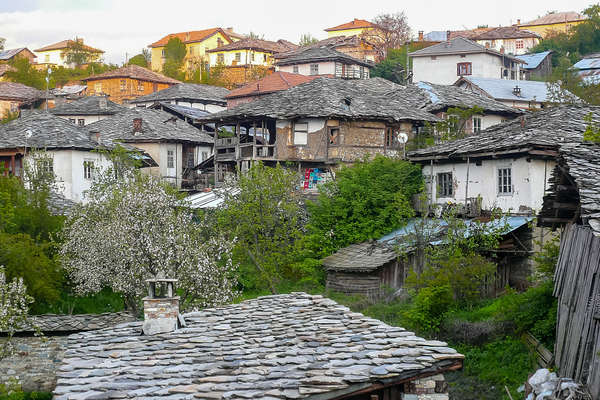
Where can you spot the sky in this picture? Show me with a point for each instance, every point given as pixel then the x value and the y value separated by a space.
pixel 123 27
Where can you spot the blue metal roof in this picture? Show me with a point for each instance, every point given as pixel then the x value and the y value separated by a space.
pixel 502 89
pixel 588 63
pixel 533 60
pixel 430 91
pixel 435 36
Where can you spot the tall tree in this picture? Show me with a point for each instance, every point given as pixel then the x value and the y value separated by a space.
pixel 78 53
pixel 138 59
pixel 390 31
pixel 175 52
pixel 307 39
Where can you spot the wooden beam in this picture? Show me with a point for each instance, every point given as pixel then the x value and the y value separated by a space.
pixel 565 206
pixel 555 219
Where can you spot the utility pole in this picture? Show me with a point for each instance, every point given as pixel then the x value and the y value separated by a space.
pixel 47 83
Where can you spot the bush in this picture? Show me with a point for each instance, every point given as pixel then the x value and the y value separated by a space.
pixel 429 308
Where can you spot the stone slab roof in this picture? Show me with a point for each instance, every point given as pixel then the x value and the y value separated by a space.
pixel 458 45
pixel 506 32
pixel 502 89
pixel 314 54
pixel 267 46
pixel 434 98
pixel 89 105
pixel 290 346
pixel 189 92
pixel 78 322
pixel 19 92
pixel 185 111
pixel 549 128
pixel 361 257
pixel 556 18
pixel 133 72
pixel 367 99
pixel 47 131
pixel 157 126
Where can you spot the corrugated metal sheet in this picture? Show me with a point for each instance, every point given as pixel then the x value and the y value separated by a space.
pixel 189 112
pixel 502 89
pixel 534 60
pixel 587 63
pixel 211 199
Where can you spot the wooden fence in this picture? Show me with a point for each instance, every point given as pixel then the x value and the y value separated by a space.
pixel 577 287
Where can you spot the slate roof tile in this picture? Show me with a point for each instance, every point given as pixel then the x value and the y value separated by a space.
pixel 289 346
pixel 192 92
pixel 53 323
pixel 506 32
pixel 361 257
pixel 314 54
pixel 458 45
pixel 19 92
pixel 257 45
pixel 133 72
pixel 89 105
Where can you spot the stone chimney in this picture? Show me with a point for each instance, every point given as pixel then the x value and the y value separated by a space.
pixel 420 36
pixel 103 103
pixel 137 125
pixel 161 307
pixel 448 38
pixel 95 136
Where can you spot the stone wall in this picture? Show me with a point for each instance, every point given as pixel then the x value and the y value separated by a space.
pixel 34 362
pixel 431 388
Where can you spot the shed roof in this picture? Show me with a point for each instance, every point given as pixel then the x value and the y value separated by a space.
pixel 367 99
pixel 549 128
pixel 190 36
pixel 274 82
pixel 354 24
pixel 502 89
pixel 157 126
pixel 360 257
pixel 533 60
pixel 133 72
pixel 8 54
pixel 68 90
pixel 89 105
pixel 267 46
pixel 314 54
pixel 64 44
pixel 289 346
pixel 19 92
pixel 191 92
pixel 588 62
pixel 506 32
pixel 458 45
pixel 556 18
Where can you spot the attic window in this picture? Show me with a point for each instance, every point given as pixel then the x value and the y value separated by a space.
pixel 519 43
pixel 123 85
pixel 334 136
pixel 300 134
pixel 314 69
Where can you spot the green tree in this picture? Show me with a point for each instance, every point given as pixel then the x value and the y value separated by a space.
pixel 175 52
pixel 138 59
pixel 78 53
pixel 365 201
pixel 393 67
pixel 23 72
pixel 307 39
pixel 263 213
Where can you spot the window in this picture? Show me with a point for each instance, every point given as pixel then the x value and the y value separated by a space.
pixel 190 160
pixel 88 169
pixel 81 122
pixel 98 87
pixel 445 186
pixel 390 137
pixel 434 57
pixel 170 159
pixel 123 85
pixel 476 124
pixel 505 181
pixel 140 86
pixel 264 58
pixel 220 58
pixel 301 133
pixel 463 68
pixel 519 43
pixel 72 120
pixel 252 56
pixel 204 155
pixel 334 136
pixel 46 165
pixel 162 53
pixel 295 69
pixel 47 58
pixel 314 69
pixel 238 57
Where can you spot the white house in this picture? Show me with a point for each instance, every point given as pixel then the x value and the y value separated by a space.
pixel 69 151
pixel 508 39
pixel 323 61
pixel 203 97
pixel 86 110
pixel 445 62
pixel 508 166
pixel 176 146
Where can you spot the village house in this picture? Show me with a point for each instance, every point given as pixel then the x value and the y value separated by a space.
pixel 438 99
pixel 355 46
pixel 524 95
pixel 86 110
pixel 289 346
pixel 72 153
pixel 127 83
pixel 553 22
pixel 4 68
pixel 196 44
pixel 275 82
pixel 15 96
pixel 536 65
pixel 247 59
pixel 193 95
pixel 173 144
pixel 444 63
pixel 68 93
pixel 9 55
pixel 317 125
pixel 323 61
pixel 588 69
pixel 356 27
pixel 508 39
pixel 56 53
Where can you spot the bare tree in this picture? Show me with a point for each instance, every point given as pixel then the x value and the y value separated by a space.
pixel 390 31
pixel 2 41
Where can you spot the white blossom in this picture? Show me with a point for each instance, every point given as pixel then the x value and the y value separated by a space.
pixel 14 307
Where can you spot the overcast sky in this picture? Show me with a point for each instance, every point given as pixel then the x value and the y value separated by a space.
pixel 126 26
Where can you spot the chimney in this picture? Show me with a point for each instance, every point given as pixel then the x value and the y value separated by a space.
pixel 518 21
pixel 420 36
pixel 230 29
pixel 103 103
pixel 137 125
pixel 95 136
pixel 447 38
pixel 161 307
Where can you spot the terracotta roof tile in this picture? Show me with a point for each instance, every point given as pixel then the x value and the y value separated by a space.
pixel 275 82
pixel 556 18
pixel 190 37
pixel 134 72
pixel 257 44
pixel 63 44
pixel 355 24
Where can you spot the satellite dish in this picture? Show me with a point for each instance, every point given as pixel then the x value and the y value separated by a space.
pixel 403 137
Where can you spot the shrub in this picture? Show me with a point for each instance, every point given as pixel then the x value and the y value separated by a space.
pixel 429 308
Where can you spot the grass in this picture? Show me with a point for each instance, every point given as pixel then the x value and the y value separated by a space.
pixel 104 301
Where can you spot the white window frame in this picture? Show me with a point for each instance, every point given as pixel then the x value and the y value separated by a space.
pixel 300 133
pixel 504 184
pixel 477 122
pixel 170 158
pixel 88 169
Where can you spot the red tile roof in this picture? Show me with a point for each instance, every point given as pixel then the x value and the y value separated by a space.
pixel 469 33
pixel 257 44
pixel 355 24
pixel 133 72
pixel 191 36
pixel 275 82
pixel 556 18
pixel 63 44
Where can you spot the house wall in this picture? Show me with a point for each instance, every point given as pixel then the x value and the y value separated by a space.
pixel 56 57
pixel 545 30
pixel 133 88
pixel 529 180
pixel 442 69
pixel 229 57
pixel 88 119
pixel 7 106
pixel 325 68
pixel 212 108
pixel 346 32
pixel 196 52
pixel 510 45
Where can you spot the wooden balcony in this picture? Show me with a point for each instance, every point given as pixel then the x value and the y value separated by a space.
pixel 229 149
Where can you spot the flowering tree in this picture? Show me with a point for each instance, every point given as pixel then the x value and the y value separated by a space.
pixel 133 228
pixel 14 305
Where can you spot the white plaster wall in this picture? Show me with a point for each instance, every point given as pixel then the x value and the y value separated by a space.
pixel 491 120
pixel 212 108
pixel 510 45
pixel 442 70
pixel 527 179
pixel 88 118
pixel 325 68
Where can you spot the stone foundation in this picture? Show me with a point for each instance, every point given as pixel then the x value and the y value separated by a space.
pixel 431 388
